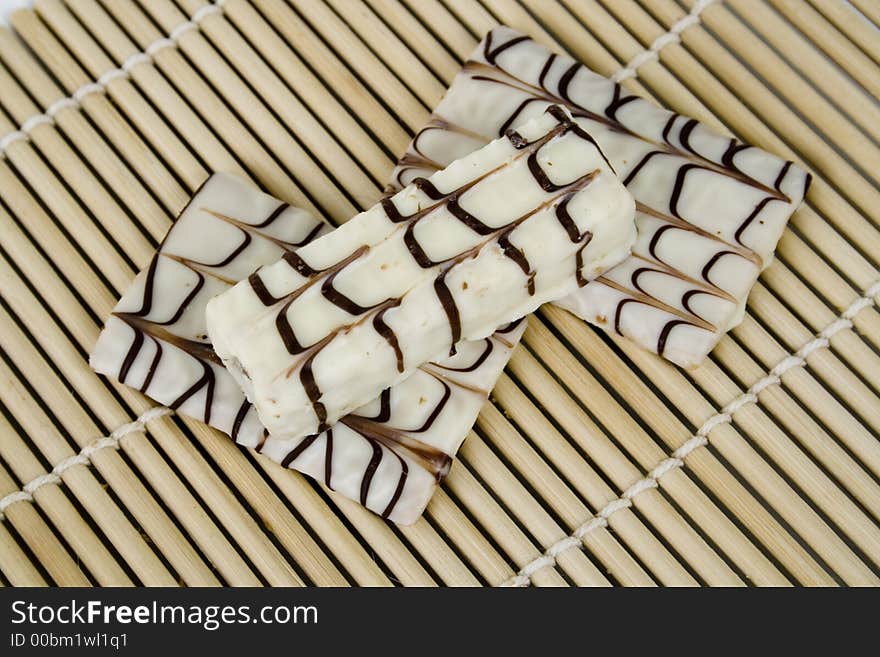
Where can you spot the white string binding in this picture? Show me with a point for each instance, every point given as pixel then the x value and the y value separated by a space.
pixel 11 138
pixel 57 106
pixel 135 59
pixel 100 85
pixel 673 35
pixel 84 457
pixel 33 122
pixel 699 439
pixel 158 45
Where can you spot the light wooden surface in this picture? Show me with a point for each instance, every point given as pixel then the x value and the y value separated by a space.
pixel 312 100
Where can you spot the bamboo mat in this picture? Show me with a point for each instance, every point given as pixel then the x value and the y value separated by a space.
pixel 595 463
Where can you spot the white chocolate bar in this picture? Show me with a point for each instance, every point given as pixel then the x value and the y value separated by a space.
pixel 524 220
pixel 390 455
pixel 156 339
pixel 710 209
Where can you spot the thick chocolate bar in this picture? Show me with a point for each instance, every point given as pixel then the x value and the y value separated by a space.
pixel 710 209
pixel 389 455
pixel 524 220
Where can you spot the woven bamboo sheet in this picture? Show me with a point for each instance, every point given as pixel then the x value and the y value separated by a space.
pixel 595 463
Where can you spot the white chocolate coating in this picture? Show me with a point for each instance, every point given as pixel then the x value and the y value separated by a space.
pixel 524 220
pixel 710 209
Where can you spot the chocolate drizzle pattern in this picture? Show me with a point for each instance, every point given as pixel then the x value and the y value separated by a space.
pixel 501 84
pixel 386 437
pixel 150 336
pixel 160 332
pixel 452 201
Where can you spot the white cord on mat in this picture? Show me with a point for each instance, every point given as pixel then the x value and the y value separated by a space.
pixel 26 494
pixel 671 36
pixel 699 439
pixel 100 85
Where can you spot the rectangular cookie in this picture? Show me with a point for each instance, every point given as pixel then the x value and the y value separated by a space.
pixel 524 220
pixel 710 209
pixel 389 455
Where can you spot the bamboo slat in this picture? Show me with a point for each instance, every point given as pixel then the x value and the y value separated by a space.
pixel 851 25
pixel 570 476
